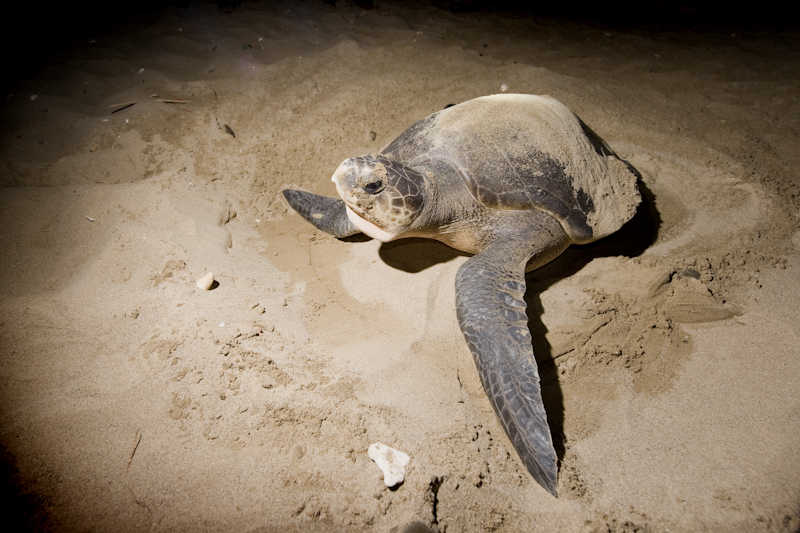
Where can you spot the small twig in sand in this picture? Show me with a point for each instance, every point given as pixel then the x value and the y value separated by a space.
pixel 135 446
pixel 224 127
pixel 171 101
pixel 90 219
pixel 120 107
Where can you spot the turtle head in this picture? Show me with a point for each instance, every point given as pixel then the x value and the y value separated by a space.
pixel 383 197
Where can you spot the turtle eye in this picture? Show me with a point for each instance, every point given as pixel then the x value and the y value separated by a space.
pixel 374 187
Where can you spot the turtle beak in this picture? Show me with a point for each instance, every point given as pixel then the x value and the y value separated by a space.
pixel 345 180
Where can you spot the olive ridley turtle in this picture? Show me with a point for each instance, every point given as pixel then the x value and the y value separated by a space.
pixel 514 179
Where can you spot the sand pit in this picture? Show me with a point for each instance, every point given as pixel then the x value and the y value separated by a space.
pixel 135 400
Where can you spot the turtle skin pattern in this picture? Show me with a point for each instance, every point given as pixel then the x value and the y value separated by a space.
pixel 491 311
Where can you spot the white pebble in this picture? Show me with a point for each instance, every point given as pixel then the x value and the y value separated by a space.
pixel 503 88
pixel 392 462
pixel 206 281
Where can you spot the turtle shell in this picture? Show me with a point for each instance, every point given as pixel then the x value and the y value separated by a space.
pixel 520 151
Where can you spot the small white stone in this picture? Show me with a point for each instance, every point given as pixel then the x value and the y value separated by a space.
pixel 392 462
pixel 206 281
pixel 503 88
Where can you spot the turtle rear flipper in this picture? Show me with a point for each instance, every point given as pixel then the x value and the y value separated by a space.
pixel 490 289
pixel 326 214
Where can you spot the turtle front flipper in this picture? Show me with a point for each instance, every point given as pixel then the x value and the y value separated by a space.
pixel 326 214
pixel 490 288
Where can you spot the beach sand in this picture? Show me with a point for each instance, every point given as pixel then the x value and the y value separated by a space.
pixel 133 400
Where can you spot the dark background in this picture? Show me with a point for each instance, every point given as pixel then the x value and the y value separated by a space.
pixel 33 32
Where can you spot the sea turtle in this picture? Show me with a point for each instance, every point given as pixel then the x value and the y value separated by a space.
pixel 514 179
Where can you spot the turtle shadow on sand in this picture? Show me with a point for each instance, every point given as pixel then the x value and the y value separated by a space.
pixel 414 255
pixel 631 240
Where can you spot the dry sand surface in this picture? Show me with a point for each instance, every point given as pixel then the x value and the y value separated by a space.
pixel 132 400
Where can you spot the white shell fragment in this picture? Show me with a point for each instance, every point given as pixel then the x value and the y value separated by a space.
pixel 392 462
pixel 206 281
